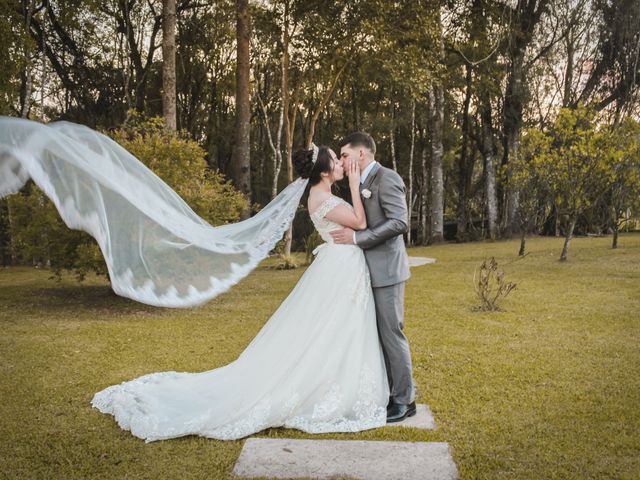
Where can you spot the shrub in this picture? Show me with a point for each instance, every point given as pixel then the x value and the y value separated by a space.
pixel 491 285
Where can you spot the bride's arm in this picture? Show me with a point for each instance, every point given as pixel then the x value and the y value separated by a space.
pixel 353 218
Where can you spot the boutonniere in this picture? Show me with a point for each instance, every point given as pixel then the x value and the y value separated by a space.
pixel 366 193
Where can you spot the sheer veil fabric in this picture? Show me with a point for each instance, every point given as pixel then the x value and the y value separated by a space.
pixel 157 250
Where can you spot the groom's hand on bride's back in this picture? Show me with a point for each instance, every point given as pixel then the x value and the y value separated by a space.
pixel 343 236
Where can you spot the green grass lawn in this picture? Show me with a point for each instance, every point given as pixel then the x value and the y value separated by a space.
pixel 549 388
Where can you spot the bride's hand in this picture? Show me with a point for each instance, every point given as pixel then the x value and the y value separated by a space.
pixel 354 175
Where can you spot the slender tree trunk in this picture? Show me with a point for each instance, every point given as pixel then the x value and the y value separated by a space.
pixel 169 63
pixel 489 154
pixel 525 16
pixel 513 108
pixel 410 199
pixel 242 161
pixel 615 236
pixel 523 239
pixel 463 163
pixel 289 123
pixel 424 193
pixel 436 117
pixel 392 137
pixel 568 237
pixel 436 126
pixel 27 81
pixel 278 157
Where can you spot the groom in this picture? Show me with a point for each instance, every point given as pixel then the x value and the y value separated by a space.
pixel 385 205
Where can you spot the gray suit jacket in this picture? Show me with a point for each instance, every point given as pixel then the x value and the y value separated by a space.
pixel 387 220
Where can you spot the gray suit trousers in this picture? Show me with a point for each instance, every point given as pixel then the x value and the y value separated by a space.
pixel 389 302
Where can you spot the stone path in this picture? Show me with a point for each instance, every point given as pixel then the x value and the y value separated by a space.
pixel 419 261
pixel 353 459
pixel 288 458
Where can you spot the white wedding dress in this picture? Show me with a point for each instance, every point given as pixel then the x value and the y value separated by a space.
pixel 316 365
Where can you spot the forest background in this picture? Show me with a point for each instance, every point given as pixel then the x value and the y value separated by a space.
pixel 503 117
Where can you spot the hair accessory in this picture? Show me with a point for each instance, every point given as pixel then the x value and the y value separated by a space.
pixel 316 150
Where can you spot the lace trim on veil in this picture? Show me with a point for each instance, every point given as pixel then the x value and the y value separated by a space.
pixel 157 250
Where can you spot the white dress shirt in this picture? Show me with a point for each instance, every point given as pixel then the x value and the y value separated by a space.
pixel 365 172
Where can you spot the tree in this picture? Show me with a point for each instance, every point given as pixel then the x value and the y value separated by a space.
pixel 623 194
pixel 242 151
pixel 169 63
pixel 525 17
pixel 524 177
pixel 436 123
pixel 575 162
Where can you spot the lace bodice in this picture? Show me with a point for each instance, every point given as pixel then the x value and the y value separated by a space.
pixel 322 224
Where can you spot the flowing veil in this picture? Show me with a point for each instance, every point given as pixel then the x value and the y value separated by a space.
pixel 157 250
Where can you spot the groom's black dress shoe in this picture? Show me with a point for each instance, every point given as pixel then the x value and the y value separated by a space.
pixel 398 412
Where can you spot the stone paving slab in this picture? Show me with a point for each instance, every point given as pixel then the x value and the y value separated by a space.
pixel 422 419
pixel 419 261
pixel 357 459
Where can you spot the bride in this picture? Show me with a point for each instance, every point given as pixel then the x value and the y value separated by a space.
pixel 316 365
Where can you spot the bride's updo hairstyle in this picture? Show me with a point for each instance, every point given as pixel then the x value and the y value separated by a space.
pixel 306 168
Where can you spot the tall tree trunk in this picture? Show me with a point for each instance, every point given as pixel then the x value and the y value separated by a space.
pixel 489 154
pixel 27 76
pixel 568 237
pixel 410 199
pixel 424 193
pixel 436 126
pixel 526 14
pixel 513 108
pixel 392 137
pixel 169 63
pixel 464 170
pixel 242 161
pixel 436 120
pixel 278 155
pixel 289 123
pixel 523 239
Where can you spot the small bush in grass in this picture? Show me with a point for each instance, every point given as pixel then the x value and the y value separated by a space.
pixel 491 286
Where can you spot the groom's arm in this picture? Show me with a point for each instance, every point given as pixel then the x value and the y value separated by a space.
pixel 394 204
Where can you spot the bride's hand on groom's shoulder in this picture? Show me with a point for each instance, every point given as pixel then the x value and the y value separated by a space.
pixel 343 236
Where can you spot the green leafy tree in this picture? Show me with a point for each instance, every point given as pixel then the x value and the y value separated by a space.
pixel 575 162
pixel 623 196
pixel 522 175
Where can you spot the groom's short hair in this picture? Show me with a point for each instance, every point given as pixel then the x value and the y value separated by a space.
pixel 359 139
